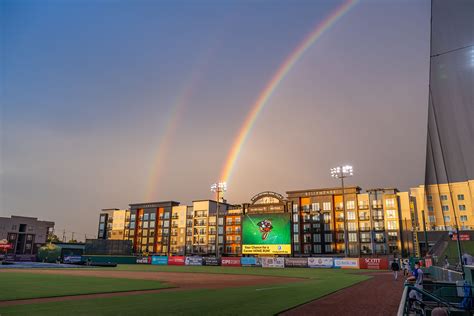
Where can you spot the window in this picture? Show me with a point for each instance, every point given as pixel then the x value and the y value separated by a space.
pixel 102 218
pixel 327 206
pixel 351 226
pixel 352 237
pixel 316 238
pixel 152 224
pixel 444 197
pixel 328 248
pixel 328 237
pixel 297 248
pixel 429 198
pixel 461 197
pixel 315 206
pixel 295 218
pixel 132 217
pixel 351 215
pixel 445 208
pixel 296 239
pixel 350 205
pixel 463 218
pixel 146 216
pixel 295 228
pixel 317 248
pixel 431 219
pixel 392 225
pixel 327 217
pixel 391 214
pixel 462 207
pixel 152 216
pixel 101 226
pixel 447 219
pixel 145 224
pixel 430 208
pixel 295 208
pixel 390 202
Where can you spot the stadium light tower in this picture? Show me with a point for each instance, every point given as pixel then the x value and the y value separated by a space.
pixel 218 187
pixel 342 172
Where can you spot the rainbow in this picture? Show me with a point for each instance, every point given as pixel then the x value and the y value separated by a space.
pixel 277 78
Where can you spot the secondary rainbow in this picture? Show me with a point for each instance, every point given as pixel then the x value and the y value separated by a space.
pixel 277 78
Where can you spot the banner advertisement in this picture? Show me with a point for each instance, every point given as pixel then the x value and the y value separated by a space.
pixel 266 234
pixel 428 262
pixel 194 261
pixel 321 262
pixel 160 260
pixel 72 259
pixel 270 262
pixel 176 261
pixel 210 261
pixel 374 263
pixel 230 261
pixel 251 262
pixel 461 237
pixel 346 263
pixel 296 262
pixel 141 260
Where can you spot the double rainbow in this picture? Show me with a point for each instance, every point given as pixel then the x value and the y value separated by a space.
pixel 277 78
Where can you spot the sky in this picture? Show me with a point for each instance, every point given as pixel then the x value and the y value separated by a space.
pixel 111 102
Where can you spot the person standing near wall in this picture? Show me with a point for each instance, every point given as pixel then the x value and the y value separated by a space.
pixel 395 268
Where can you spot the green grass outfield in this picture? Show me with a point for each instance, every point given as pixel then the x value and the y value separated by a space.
pixel 17 285
pixel 253 300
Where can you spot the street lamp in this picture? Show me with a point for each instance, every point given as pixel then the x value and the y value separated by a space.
pixel 342 172
pixel 218 188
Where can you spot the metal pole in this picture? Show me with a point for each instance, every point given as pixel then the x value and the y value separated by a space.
pixel 346 241
pixel 424 230
pixel 217 224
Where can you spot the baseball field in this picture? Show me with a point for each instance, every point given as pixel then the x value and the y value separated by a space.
pixel 165 290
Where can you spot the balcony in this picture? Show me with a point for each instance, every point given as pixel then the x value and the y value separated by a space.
pixel 189 217
pixel 339 218
pixel 174 225
pixel 379 240
pixel 378 218
pixel 365 240
pixel 174 216
pixel 339 239
pixel 364 229
pixel 363 206
pixel 377 206
pixel 364 218
pixel 379 228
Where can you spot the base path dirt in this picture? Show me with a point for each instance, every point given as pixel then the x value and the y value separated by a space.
pixel 179 281
pixel 379 295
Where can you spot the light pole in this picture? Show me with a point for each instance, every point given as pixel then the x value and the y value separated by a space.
pixel 342 172
pixel 218 188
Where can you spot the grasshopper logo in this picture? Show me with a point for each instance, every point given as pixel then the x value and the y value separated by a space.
pixel 265 227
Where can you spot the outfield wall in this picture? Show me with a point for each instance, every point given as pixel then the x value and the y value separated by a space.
pixel 268 262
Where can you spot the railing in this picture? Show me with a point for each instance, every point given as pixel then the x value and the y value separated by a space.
pixel 379 228
pixel 364 218
pixel 363 206
pixel 364 229
pixel 339 219
pixel 430 300
pixel 365 240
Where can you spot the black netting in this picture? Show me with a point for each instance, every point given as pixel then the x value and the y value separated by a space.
pixel 450 142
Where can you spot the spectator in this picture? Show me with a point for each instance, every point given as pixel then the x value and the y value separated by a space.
pixel 446 262
pixel 395 268
pixel 418 278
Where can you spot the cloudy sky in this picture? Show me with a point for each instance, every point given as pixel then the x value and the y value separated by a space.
pixel 105 103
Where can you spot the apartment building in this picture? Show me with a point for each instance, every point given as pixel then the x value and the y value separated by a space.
pixel 112 223
pixel 440 206
pixel 233 232
pixel 178 229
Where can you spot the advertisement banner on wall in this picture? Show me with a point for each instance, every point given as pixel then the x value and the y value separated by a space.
pixel 176 261
pixel 210 261
pixel 296 262
pixel 346 263
pixel 230 261
pixel 374 263
pixel 194 261
pixel 160 260
pixel 320 262
pixel 268 234
pixel 270 262
pixel 143 260
pixel 249 262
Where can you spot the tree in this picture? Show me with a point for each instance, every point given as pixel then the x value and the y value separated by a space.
pixel 52 238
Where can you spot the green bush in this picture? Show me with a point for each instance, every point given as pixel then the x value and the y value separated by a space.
pixel 49 253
